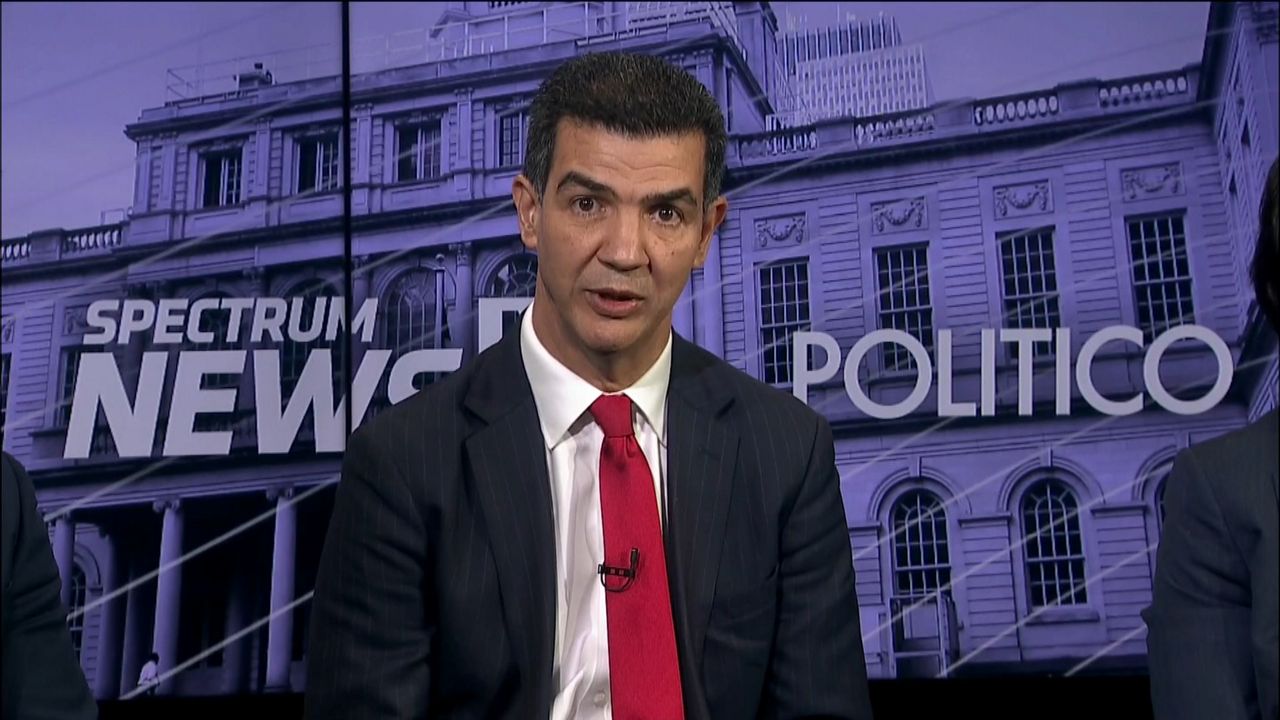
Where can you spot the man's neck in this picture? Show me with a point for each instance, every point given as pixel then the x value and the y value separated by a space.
pixel 609 372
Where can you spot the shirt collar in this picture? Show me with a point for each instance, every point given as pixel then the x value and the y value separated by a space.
pixel 562 396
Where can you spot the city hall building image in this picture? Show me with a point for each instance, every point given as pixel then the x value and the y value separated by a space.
pixel 997 526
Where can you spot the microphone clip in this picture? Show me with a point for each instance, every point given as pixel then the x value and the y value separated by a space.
pixel 627 573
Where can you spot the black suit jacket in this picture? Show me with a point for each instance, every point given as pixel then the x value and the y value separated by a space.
pixel 1212 640
pixel 436 590
pixel 42 678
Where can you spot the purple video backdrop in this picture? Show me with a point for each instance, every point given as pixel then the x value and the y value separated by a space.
pixel 1001 249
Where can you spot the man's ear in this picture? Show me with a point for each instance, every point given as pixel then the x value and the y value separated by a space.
pixel 711 219
pixel 525 197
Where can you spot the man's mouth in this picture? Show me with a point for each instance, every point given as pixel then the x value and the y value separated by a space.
pixel 616 294
pixel 613 302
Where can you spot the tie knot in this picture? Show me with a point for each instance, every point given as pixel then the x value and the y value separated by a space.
pixel 613 415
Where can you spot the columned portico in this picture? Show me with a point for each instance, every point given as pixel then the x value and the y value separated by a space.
pixel 168 589
pixel 64 549
pixel 110 645
pixel 280 629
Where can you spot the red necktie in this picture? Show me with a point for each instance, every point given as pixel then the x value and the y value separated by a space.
pixel 644 670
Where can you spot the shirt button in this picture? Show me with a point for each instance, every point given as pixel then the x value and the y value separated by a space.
pixel 601 699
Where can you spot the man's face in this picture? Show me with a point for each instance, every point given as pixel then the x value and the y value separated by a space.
pixel 619 228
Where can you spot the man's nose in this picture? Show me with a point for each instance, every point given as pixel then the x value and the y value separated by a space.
pixel 623 245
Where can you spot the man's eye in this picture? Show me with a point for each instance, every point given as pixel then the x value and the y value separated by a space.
pixel 668 215
pixel 585 204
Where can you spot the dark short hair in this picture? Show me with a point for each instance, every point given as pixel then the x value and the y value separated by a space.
pixel 1266 254
pixel 639 96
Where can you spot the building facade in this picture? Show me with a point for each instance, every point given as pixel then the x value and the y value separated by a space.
pixel 1239 83
pixel 998 524
pixel 858 69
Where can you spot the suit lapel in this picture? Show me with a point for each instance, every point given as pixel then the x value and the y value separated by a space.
pixel 509 470
pixel 702 453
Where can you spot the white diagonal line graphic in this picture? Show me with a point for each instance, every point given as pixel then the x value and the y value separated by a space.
pixel 1140 629
pixel 997 475
pixel 97 72
pixel 209 545
pixel 92 497
pixel 228 640
pixel 995 557
pixel 964 660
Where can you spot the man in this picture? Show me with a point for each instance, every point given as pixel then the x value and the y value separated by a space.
pixel 595 518
pixel 1212 624
pixel 148 678
pixel 42 678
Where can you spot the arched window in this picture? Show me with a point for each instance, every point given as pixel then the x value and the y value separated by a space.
pixel 79 593
pixel 1053 545
pixel 295 354
pixel 415 316
pixel 921 559
pixel 1159 500
pixel 517 276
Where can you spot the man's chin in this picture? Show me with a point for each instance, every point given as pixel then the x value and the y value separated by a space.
pixel 609 346
pixel 607 337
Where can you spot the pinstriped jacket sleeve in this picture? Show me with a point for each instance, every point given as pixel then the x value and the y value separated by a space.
pixel 1212 621
pixel 817 667
pixel 370 635
pixel 41 676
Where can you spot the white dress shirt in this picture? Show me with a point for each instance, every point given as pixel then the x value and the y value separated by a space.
pixel 580 675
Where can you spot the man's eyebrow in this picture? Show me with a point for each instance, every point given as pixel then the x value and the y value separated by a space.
pixel 662 198
pixel 576 178
pixel 669 197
